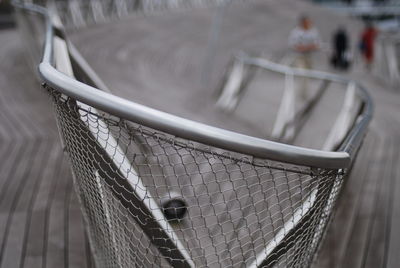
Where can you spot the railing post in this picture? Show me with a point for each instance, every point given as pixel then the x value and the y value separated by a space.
pixel 97 10
pixel 343 121
pixel 228 98
pixel 212 43
pixel 287 108
pixel 379 62
pixel 74 7
pixel 392 63
pixel 121 7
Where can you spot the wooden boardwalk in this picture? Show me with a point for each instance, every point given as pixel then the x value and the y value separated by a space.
pixel 40 220
pixel 366 229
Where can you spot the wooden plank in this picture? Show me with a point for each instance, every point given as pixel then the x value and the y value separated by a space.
pixel 340 229
pixel 34 172
pixel 392 245
pixel 3 129
pixel 355 249
pixel 375 251
pixel 8 126
pixel 77 250
pixel 9 158
pixel 55 251
pixel 30 197
pixel 15 205
pixel 35 236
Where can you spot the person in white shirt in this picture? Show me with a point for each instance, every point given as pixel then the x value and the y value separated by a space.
pixel 304 41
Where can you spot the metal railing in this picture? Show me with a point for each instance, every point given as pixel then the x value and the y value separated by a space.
pixel 78 13
pixel 158 190
pixel 387 58
pixel 369 8
pixel 290 116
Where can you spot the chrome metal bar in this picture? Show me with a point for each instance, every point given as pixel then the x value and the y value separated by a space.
pixel 286 112
pixel 343 121
pixel 189 129
pixel 196 131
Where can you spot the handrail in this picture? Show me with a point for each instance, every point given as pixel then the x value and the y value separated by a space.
pixel 200 132
pixel 387 63
pixel 79 11
pixel 360 9
pixel 357 132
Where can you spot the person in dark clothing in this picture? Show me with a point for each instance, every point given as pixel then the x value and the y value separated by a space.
pixel 340 44
pixel 349 2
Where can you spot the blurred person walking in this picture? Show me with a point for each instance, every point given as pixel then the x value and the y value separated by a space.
pixel 367 44
pixel 340 43
pixel 304 40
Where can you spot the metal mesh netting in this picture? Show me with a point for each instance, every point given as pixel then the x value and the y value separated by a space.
pixel 239 211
